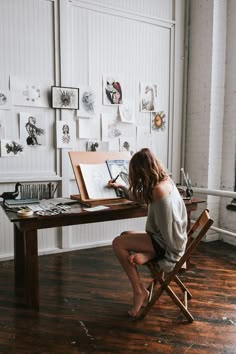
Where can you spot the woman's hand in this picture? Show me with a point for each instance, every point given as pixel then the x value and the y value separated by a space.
pixel 112 184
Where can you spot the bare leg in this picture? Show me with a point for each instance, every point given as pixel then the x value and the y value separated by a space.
pixel 123 245
pixel 140 257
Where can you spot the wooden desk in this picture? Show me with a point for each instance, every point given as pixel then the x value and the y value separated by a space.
pixel 26 244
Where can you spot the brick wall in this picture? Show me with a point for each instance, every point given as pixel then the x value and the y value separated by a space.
pixel 211 103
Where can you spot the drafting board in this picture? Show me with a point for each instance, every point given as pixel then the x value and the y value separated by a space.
pixel 93 157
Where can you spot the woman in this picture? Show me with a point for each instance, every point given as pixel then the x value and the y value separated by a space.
pixel 166 226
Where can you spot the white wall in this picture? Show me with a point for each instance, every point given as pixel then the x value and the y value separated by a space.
pixel 211 125
pixel 75 42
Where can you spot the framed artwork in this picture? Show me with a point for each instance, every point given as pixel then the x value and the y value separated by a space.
pixel 148 97
pixel 65 97
pixel 112 90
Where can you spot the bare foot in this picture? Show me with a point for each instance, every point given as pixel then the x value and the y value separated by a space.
pixel 140 258
pixel 138 302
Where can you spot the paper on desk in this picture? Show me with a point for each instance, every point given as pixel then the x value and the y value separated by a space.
pixel 96 208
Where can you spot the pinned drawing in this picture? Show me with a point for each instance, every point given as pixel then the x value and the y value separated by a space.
pixel 159 121
pixel 127 144
pixel 33 94
pixel 126 111
pixel 5 99
pixel 112 90
pixel 65 97
pixel 148 97
pixel 96 145
pixel 11 148
pixel 2 127
pixel 65 134
pixel 32 129
pixel 86 102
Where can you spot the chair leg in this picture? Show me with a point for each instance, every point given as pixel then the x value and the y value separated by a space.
pixel 177 301
pixel 182 286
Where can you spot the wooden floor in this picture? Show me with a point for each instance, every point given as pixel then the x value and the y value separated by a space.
pixel 85 297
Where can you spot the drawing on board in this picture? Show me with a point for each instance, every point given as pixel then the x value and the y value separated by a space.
pixel 112 90
pixel 119 168
pixel 32 129
pixel 65 97
pixel 86 102
pixel 148 97
pixel 2 127
pixel 33 94
pixel 5 99
pixel 96 177
pixel 65 134
pixel 126 111
pixel 11 148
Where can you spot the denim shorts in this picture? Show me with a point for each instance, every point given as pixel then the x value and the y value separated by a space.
pixel 160 252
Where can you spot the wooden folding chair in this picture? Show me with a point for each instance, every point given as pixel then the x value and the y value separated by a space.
pixel 161 281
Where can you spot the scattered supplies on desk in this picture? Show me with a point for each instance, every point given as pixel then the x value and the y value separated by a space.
pixel 96 208
pixel 25 213
pixel 13 203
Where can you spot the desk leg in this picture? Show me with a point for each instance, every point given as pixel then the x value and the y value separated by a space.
pixel 26 265
pixel 19 258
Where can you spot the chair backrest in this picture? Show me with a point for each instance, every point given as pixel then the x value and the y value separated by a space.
pixel 200 227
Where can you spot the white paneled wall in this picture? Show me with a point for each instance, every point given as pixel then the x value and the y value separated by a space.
pixel 72 43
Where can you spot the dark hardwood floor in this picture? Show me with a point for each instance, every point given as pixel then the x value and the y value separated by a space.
pixel 85 297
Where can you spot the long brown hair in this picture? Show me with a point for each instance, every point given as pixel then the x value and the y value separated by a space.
pixel 145 172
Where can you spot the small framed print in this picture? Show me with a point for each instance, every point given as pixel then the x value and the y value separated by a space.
pixel 65 97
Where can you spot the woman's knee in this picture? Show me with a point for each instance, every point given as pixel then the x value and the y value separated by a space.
pixel 117 242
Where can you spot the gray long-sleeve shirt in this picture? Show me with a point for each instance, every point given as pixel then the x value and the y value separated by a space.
pixel 167 224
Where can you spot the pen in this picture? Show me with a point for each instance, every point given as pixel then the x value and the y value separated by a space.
pixel 114 179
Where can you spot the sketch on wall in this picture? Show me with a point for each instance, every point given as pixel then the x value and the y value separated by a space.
pixel 65 97
pixel 126 111
pixel 65 134
pixel 86 102
pixel 5 99
pixel 110 127
pixel 2 127
pixel 112 90
pixel 148 97
pixel 144 137
pixel 32 129
pixel 88 128
pixel 96 145
pixel 11 148
pixel 128 144
pixel 29 93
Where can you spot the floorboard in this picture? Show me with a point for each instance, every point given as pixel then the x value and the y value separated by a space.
pixel 84 299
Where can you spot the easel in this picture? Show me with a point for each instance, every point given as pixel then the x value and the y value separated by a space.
pixel 93 157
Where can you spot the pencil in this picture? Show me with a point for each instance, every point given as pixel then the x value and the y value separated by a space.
pixel 114 179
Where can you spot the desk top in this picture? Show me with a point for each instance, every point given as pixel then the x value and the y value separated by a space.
pixel 77 215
